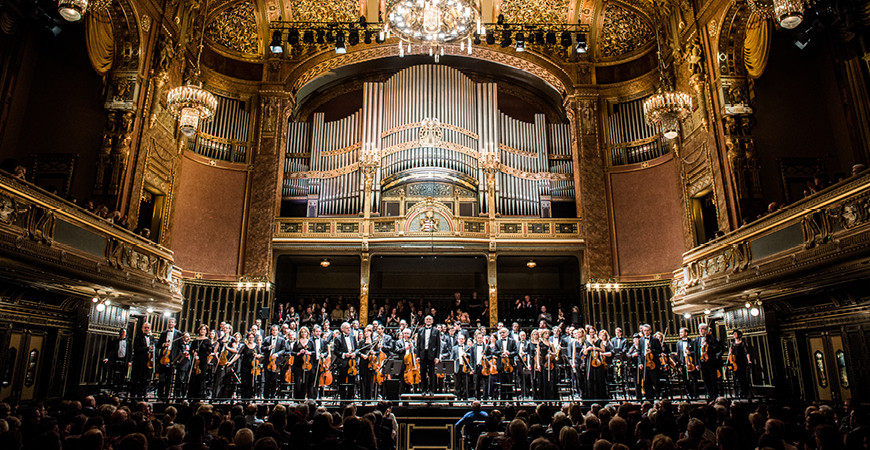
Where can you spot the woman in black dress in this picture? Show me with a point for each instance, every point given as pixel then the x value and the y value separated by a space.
pixel 740 354
pixel 596 367
pixel 538 352
pixel 366 374
pixel 248 353
pixel 201 348
pixel 303 374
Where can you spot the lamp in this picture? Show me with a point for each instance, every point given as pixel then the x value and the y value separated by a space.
pixel 521 42
pixel 72 10
pixel 531 264
pixel 275 45
pixel 191 103
pixel 432 22
pixel 667 107
pixel 340 48
pixel 324 263
pixel 581 43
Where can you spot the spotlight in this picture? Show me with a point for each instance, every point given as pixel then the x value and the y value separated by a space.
pixel 539 38
pixel 566 39
pixel 353 37
pixel 308 37
pixel 72 10
pixel 339 43
pixel 551 38
pixel 490 38
pixel 101 307
pixel 754 312
pixel 476 38
pixel 531 264
pixel 324 263
pixel 521 42
pixel 687 316
pixel 803 39
pixel 108 302
pixel 368 37
pixel 588 285
pixel 581 43
pixel 293 36
pixel 276 46
pixel 506 39
pixel 380 37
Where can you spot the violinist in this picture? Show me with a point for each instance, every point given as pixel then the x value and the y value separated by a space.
pixel 478 356
pixel 274 349
pixel 166 354
pixel 304 364
pixel 429 351
pixel 226 349
pixel 183 364
pixel 201 348
pixel 523 371
pixel 261 366
pixel 646 353
pixel 597 354
pixel 505 351
pixel 739 357
pixel 551 363
pixel 345 350
pixel 577 356
pixel 460 354
pixel 687 364
pixel 538 352
pixel 143 361
pixel 708 353
pixel 366 373
pixel 250 368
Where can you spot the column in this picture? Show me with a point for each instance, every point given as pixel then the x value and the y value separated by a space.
pixel 365 270
pixel 492 276
pixel 589 176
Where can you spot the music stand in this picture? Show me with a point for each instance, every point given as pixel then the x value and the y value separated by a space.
pixel 393 367
pixel 445 367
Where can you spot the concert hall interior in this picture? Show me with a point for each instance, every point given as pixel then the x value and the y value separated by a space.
pixel 259 202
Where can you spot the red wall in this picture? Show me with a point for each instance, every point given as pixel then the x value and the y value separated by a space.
pixel 646 215
pixel 209 209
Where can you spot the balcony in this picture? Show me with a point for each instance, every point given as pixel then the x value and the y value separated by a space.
pixel 817 242
pixel 49 243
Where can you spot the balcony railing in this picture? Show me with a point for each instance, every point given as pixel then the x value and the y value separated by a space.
pixel 805 245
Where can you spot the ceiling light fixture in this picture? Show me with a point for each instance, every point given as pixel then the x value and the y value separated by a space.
pixel 581 43
pixel 432 23
pixel 787 13
pixel 324 263
pixel 531 264
pixel 667 107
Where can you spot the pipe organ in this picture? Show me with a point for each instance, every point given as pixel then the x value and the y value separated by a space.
pixel 424 127
pixel 631 139
pixel 225 137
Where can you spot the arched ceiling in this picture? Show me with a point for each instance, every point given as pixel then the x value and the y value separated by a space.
pixel 619 30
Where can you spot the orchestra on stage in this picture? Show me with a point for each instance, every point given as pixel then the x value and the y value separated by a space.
pixel 362 361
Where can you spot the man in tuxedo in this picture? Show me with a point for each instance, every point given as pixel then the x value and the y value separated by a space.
pixel 429 350
pixel 143 351
pixel 505 351
pixel 345 348
pixel 619 344
pixel 321 351
pixel 182 363
pixel 459 353
pixel 165 371
pixel 708 362
pixel 686 350
pixel 477 353
pixel 578 362
pixel 117 360
pixel 647 377
pixel 274 348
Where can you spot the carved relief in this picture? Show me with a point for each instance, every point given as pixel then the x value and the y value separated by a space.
pixel 732 259
pixel 623 31
pixel 816 227
pixel 236 29
pixel 122 255
pixel 535 11
pixel 320 11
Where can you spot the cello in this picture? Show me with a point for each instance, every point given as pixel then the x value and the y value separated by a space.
pixel 288 375
pixel 325 378
pixel 412 368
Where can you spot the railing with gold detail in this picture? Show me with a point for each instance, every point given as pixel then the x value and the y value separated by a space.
pixel 805 245
pixel 42 233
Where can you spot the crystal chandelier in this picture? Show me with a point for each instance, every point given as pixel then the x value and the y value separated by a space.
pixel 432 22
pixel 787 13
pixel 667 107
pixel 191 103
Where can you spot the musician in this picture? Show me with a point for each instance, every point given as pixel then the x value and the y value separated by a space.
pixel 250 359
pixel 404 347
pixel 345 349
pixel 577 357
pixel 523 373
pixel 429 351
pixel 143 357
pixel 304 364
pixel 366 373
pixel 505 352
pixel 709 352
pixel 463 366
pixel 618 344
pixel 597 353
pixel 551 364
pixel 226 350
pixel 183 364
pixel 647 370
pixel 212 365
pixel 166 346
pixel 538 352
pixel 117 360
pixel 258 379
pixel 515 331
pixel 201 348
pixel 274 349
pixel 321 351
pixel 740 356
pixel 478 354
pixel 384 339
pixel 686 354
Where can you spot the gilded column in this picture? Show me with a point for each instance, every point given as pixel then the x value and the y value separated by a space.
pixel 274 109
pixel 364 274
pixel 492 276
pixel 589 177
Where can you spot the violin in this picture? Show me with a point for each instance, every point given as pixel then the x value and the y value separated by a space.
pixel 325 378
pixel 352 369
pixel 378 361
pixel 650 361
pixel 489 367
pixel 256 369
pixel 506 364
pixel 705 352
pixel 664 359
pixel 288 375
pixel 732 361
pixel 197 370
pixel 164 358
pixel 690 364
pixel 224 358
pixel 306 362
pixel 466 365
pixel 412 368
pixel 150 358
pixel 596 359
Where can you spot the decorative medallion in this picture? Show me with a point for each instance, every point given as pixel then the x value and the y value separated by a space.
pixel 236 29
pixel 430 132
pixel 326 11
pixel 535 11
pixel 623 31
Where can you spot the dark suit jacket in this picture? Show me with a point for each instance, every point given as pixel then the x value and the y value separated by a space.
pixel 340 348
pixel 140 353
pixel 499 350
pixel 474 351
pixel 280 349
pixel 434 344
pixel 112 351
pixel 166 336
pixel 714 351
pixel 681 351
pixel 655 347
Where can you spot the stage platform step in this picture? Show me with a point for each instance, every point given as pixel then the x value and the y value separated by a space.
pixel 428 398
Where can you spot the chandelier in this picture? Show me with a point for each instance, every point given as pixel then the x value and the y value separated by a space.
pixel 432 22
pixel 191 103
pixel 667 107
pixel 787 13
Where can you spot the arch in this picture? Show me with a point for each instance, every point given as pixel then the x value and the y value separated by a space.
pixel 731 38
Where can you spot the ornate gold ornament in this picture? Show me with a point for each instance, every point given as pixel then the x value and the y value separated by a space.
pixel 236 29
pixel 623 31
pixel 430 132
pixel 432 23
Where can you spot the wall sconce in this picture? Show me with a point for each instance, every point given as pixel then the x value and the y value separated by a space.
pixel 531 264
pixel 602 285
pixel 324 263
pixel 259 284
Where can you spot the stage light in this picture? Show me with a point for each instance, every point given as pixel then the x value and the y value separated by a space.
pixel 490 38
pixel 276 46
pixel 324 263
pixel 566 39
pixel 339 43
pixel 293 36
pixel 581 43
pixel 706 312
pixel 748 305
pixel 95 299
pixel 521 42
pixel 308 37
pixel 167 314
pixel 149 310
pixel 108 302
pixel 381 37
